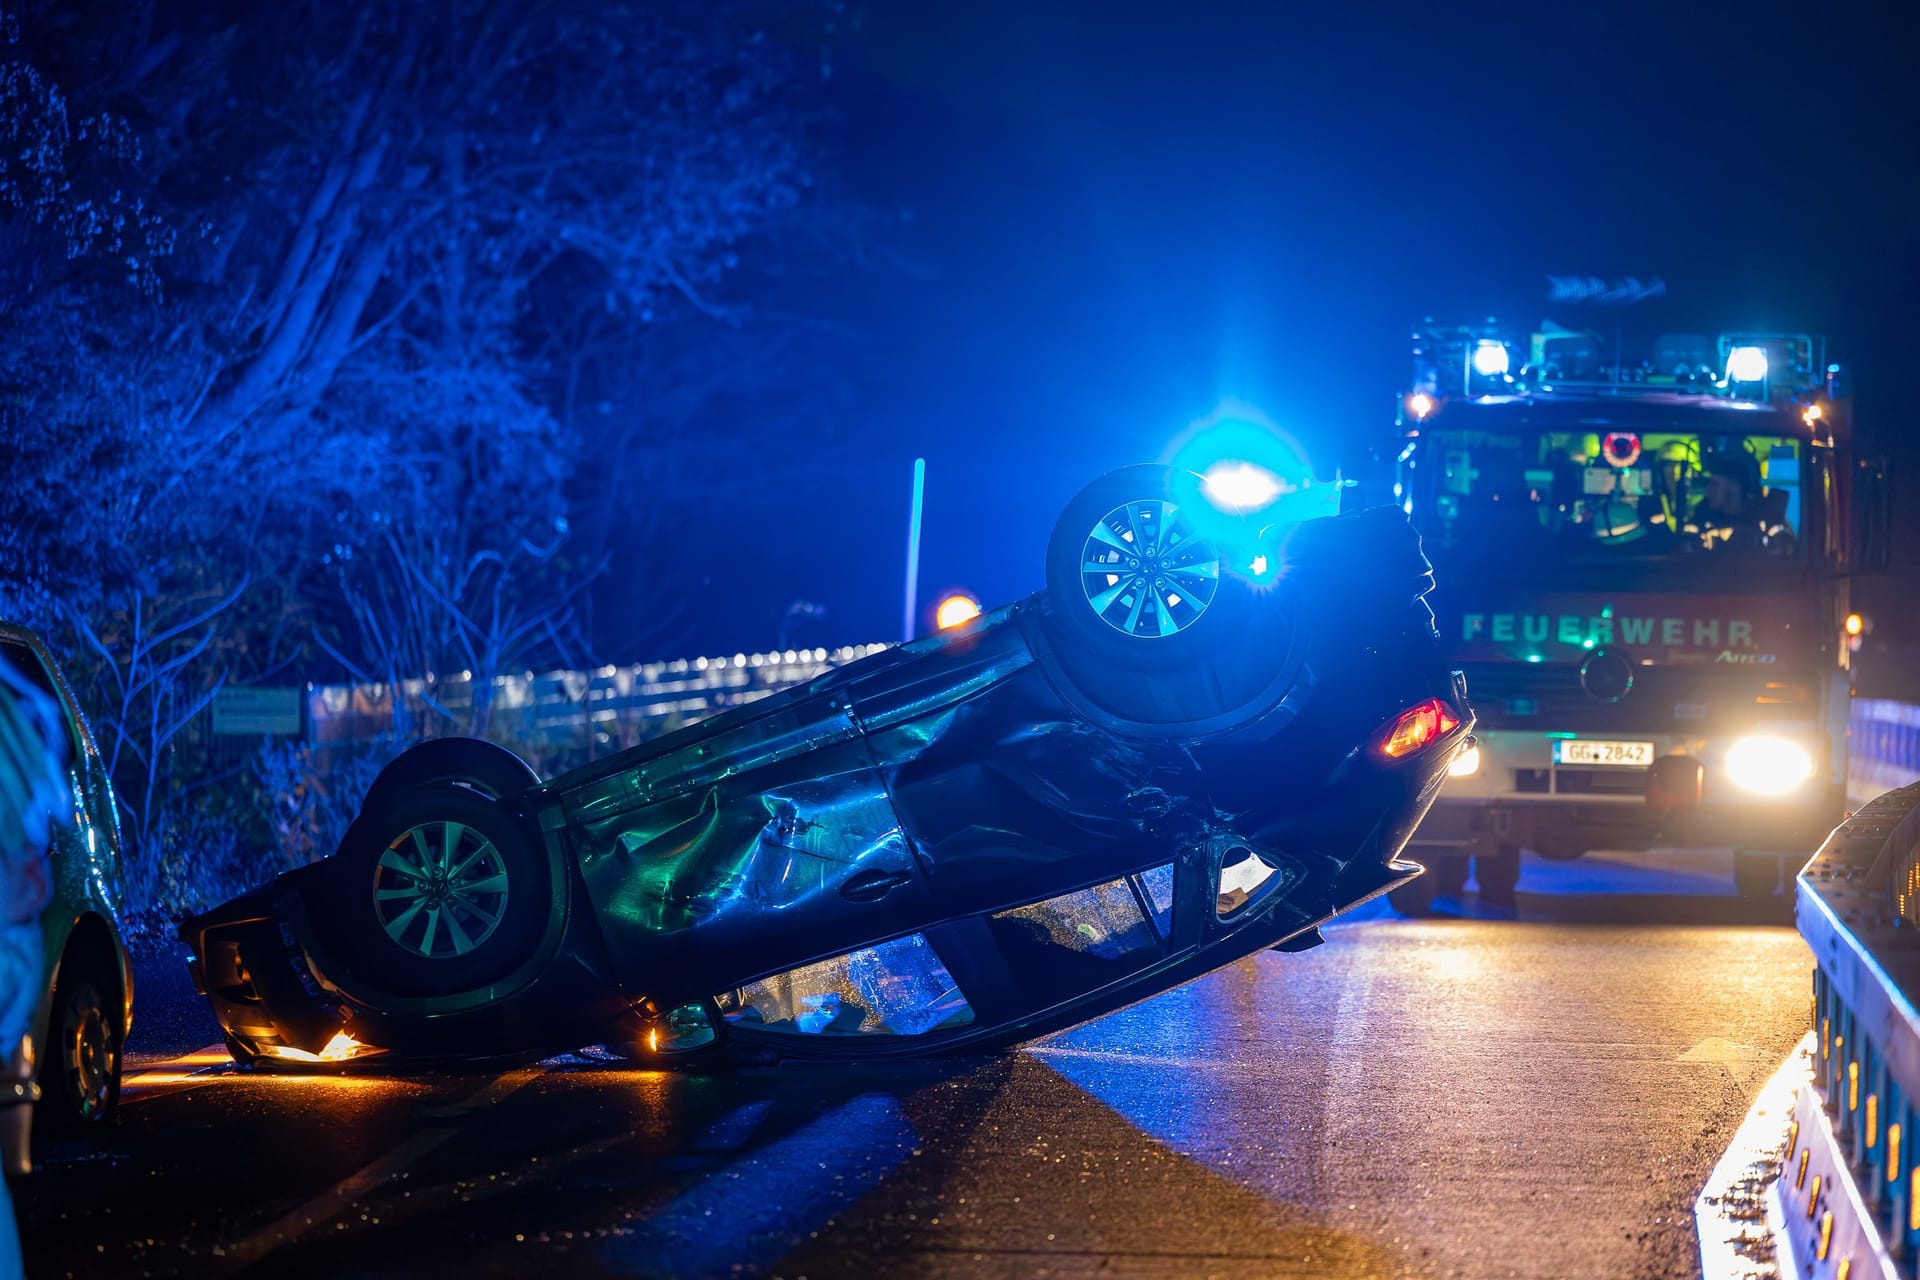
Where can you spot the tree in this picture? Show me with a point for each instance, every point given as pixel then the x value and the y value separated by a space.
pixel 290 314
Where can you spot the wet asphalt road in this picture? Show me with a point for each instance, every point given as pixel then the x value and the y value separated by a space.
pixel 1452 1097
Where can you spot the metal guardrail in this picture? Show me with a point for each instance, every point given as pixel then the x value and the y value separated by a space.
pixel 1849 1185
pixel 580 715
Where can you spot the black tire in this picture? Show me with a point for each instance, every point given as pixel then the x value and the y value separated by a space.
pixel 1561 853
pixel 1138 647
pixel 80 1066
pixel 1755 875
pixel 1498 875
pixel 1446 868
pixel 475 763
pixel 1415 897
pixel 472 914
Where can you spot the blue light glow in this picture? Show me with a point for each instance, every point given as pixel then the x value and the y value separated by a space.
pixel 1242 486
pixel 1747 364
pixel 1490 358
pixel 1241 478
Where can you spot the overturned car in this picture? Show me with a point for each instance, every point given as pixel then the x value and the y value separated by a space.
pixel 1200 740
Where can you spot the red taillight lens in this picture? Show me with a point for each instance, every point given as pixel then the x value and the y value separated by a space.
pixel 1419 726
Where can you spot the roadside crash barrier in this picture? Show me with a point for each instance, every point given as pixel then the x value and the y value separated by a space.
pixel 591 712
pixel 1849 1189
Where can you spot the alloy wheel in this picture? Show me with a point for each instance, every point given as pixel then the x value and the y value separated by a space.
pixel 88 1050
pixel 1146 571
pixel 440 890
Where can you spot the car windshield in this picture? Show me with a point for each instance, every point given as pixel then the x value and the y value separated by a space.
pixel 1612 494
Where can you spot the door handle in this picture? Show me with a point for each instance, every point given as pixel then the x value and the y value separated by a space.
pixel 871 886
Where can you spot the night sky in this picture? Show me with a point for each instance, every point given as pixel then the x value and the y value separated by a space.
pixel 1111 216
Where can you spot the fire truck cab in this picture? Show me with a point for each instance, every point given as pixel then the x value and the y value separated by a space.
pixel 1646 561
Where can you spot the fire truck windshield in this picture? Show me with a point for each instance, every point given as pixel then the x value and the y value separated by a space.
pixel 1598 495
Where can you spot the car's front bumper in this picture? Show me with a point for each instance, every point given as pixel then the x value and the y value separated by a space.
pixel 282 999
pixel 1566 828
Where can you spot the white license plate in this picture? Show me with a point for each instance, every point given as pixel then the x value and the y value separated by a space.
pixel 1597 751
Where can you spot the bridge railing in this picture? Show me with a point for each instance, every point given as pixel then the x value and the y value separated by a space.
pixel 1856 906
pixel 561 718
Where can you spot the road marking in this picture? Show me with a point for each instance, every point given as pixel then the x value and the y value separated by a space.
pixel 329 1204
pixel 1738 1222
pixel 1152 1061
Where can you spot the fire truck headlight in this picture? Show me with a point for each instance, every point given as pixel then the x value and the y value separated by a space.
pixel 1747 364
pixel 1768 766
pixel 1466 764
pixel 1490 358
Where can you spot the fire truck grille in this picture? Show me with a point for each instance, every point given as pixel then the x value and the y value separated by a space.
pixel 1548 696
pixel 1567 780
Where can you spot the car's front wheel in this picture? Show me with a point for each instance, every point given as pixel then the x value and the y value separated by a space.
pixel 1498 874
pixel 80 1071
pixel 439 892
pixel 1755 875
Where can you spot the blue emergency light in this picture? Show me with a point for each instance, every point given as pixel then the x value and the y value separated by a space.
pixel 1490 359
pixel 1747 364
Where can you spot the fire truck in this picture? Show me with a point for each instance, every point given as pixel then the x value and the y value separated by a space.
pixel 1646 560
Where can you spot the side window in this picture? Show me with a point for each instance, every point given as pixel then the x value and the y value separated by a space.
pixel 1836 517
pixel 28 664
pixel 896 988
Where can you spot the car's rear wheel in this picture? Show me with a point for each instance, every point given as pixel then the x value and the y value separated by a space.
pixel 1149 612
pixel 1445 876
pixel 474 763
pixel 1415 897
pixel 1498 875
pixel 80 1068
pixel 439 892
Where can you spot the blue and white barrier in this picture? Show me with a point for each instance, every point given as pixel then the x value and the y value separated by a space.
pixel 1842 1195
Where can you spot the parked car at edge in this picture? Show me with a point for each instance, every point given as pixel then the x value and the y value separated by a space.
pixel 79 1028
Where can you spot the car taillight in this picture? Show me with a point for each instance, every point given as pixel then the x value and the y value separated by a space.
pixel 1419 726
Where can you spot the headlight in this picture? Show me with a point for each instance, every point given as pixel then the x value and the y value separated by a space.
pixel 1768 766
pixel 1466 764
